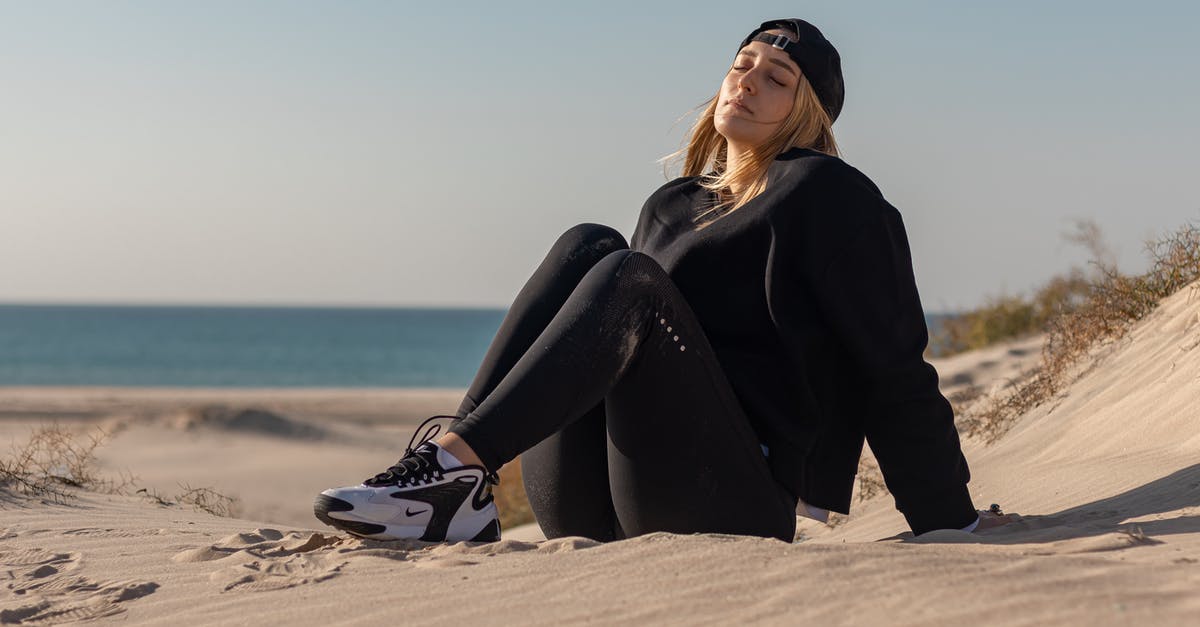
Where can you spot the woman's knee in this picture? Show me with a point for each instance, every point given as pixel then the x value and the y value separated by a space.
pixel 633 265
pixel 590 241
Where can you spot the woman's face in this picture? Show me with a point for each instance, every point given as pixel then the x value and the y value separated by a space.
pixel 757 94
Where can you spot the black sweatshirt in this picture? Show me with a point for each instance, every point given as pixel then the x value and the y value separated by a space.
pixel 807 296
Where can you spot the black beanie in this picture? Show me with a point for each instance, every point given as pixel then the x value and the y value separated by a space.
pixel 817 58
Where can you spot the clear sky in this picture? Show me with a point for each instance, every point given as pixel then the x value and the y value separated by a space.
pixel 425 153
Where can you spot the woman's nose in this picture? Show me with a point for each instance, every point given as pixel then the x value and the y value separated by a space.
pixel 745 84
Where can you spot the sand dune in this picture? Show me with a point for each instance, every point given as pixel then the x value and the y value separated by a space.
pixel 1105 478
pixel 150 564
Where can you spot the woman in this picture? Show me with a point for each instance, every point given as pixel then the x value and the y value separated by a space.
pixel 719 374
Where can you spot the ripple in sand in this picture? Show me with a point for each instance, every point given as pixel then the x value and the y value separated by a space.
pixel 257 536
pixel 502 547
pixel 269 559
pixel 43 594
pixel 264 575
pixel 1115 541
pixel 113 590
pixel 201 554
pixel 35 557
pixel 443 562
pixel 46 612
pixel 491 548
pixel 261 543
pixel 114 533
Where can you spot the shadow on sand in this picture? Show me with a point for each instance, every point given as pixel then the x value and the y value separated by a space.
pixel 1177 491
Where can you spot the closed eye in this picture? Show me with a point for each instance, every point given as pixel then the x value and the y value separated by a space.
pixel 773 79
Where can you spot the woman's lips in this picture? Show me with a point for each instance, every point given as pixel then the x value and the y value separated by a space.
pixel 737 104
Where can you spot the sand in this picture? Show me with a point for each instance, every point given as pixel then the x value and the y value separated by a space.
pixel 1105 479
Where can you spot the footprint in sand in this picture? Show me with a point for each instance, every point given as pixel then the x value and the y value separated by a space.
pixel 263 575
pixel 260 543
pixel 46 612
pixel 97 532
pixel 26 567
pixel 43 593
pixel 36 558
pixel 115 590
pixel 268 559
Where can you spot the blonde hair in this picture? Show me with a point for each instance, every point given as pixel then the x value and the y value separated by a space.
pixel 806 126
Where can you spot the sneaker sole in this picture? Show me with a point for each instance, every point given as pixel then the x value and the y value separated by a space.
pixel 325 504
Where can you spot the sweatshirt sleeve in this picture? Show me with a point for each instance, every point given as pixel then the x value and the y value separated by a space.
pixel 867 293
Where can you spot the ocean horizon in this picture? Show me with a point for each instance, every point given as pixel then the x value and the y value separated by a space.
pixel 235 346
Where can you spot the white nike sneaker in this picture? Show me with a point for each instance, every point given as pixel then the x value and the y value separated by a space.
pixel 428 495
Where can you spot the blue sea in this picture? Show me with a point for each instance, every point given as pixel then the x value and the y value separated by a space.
pixel 243 346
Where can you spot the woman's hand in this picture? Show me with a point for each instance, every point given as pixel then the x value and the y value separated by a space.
pixel 993 518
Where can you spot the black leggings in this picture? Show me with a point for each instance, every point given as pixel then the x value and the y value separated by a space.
pixel 601 378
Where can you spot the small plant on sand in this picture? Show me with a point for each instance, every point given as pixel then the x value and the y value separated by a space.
pixel 53 460
pixel 1114 302
pixel 1007 317
pixel 203 499
pixel 211 501
pixel 56 461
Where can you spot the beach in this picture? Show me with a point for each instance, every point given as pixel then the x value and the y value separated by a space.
pixel 249 249
pixel 1104 479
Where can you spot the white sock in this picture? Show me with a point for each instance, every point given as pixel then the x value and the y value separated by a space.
pixel 447 459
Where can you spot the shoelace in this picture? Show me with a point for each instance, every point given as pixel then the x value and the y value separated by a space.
pixel 414 466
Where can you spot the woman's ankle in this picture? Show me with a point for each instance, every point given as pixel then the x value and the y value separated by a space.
pixel 459 448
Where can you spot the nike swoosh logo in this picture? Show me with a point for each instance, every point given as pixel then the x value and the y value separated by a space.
pixel 444 499
pixel 409 512
pixel 482 496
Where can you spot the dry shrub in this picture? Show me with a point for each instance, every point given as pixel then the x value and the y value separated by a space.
pixel 510 497
pixel 211 501
pixel 53 460
pixel 203 499
pixel 964 397
pixel 1114 302
pixel 1009 317
pixel 998 319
